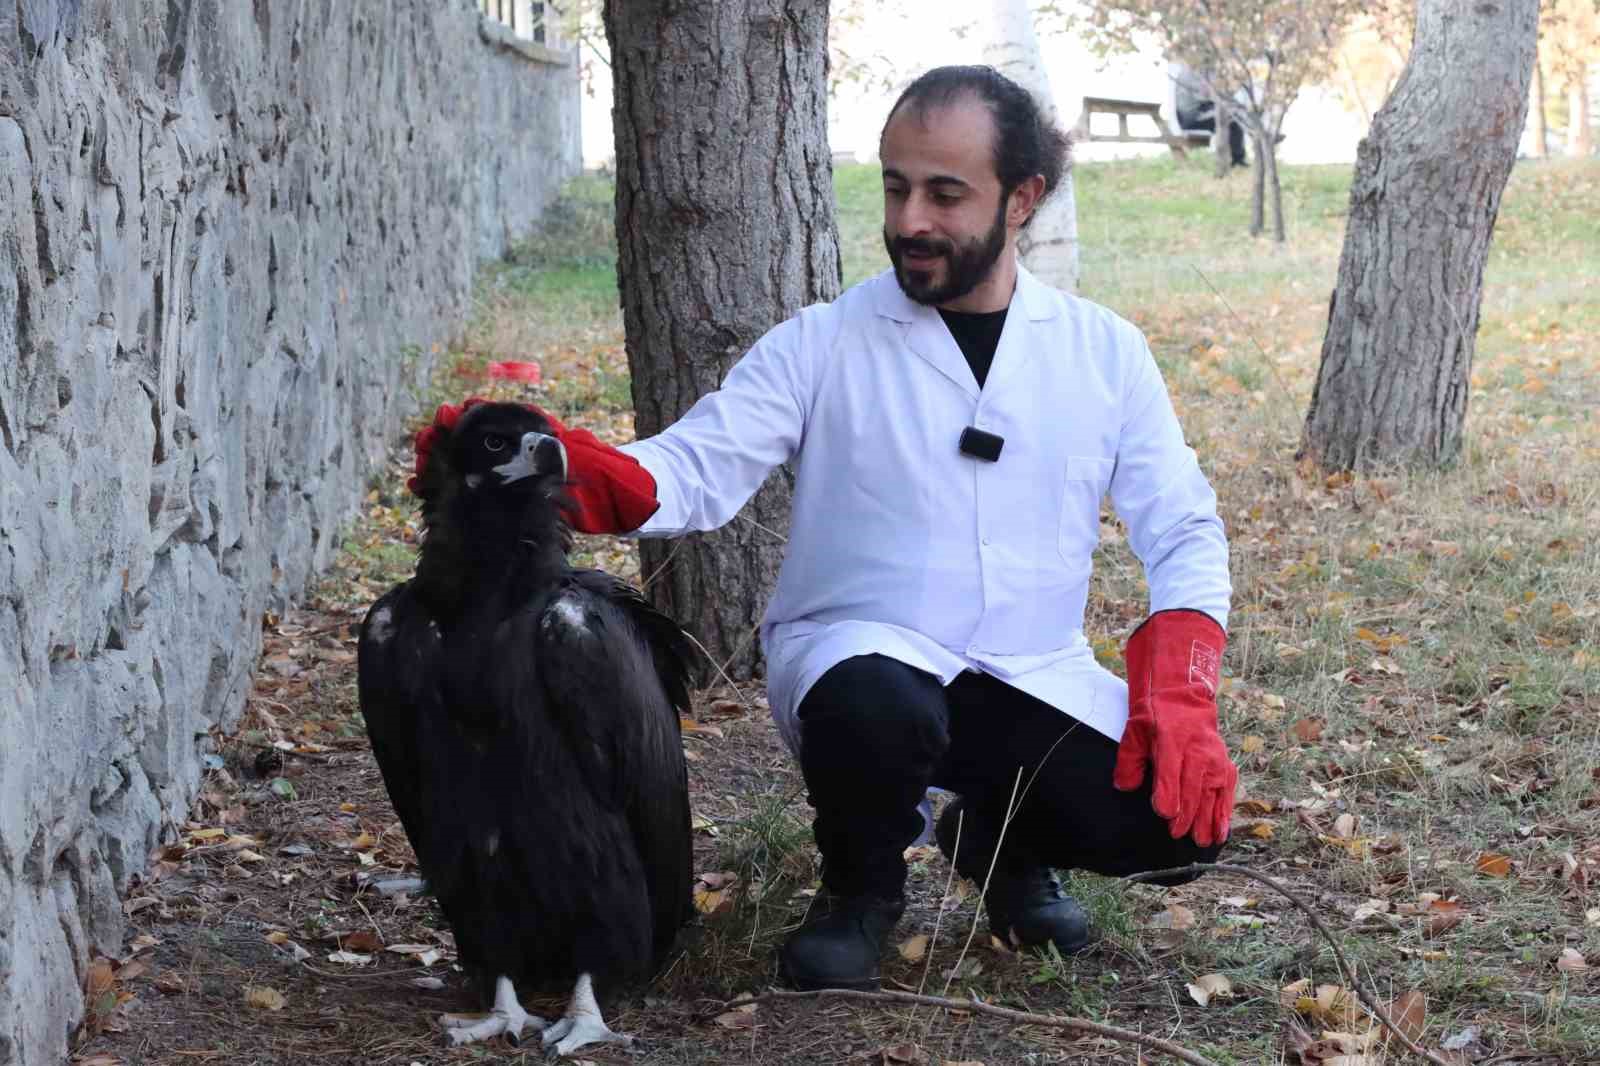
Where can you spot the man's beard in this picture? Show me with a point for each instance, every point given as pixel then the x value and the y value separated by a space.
pixel 966 267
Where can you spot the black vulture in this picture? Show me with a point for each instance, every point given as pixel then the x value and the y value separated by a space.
pixel 524 715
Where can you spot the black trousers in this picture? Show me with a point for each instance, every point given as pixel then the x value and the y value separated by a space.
pixel 876 733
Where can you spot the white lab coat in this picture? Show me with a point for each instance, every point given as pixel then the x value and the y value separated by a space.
pixel 901 545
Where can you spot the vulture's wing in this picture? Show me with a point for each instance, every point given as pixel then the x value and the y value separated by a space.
pixel 397 645
pixel 616 678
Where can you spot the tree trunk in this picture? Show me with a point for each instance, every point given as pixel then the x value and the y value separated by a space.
pixel 1258 188
pixel 1541 132
pixel 1049 246
pixel 1274 190
pixel 1580 132
pixel 725 227
pixel 1403 320
pixel 1221 150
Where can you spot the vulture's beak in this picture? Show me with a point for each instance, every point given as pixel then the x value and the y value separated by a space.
pixel 540 453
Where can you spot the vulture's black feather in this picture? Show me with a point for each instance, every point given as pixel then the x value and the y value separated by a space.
pixel 525 717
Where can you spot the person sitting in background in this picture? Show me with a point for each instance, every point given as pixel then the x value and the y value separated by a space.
pixel 1196 110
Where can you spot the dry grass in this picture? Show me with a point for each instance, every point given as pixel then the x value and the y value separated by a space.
pixel 1413 688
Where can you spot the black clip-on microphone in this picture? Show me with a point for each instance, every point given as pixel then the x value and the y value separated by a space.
pixel 980 445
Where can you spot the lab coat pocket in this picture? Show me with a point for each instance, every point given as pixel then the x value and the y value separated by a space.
pixel 1087 479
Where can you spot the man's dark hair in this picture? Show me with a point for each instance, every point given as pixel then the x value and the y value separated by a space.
pixel 1025 141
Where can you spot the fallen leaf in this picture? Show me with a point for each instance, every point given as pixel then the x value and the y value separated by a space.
pixel 711 902
pixel 171 983
pixel 99 993
pixel 1345 825
pixel 99 1058
pixel 263 998
pixel 914 949
pixel 738 1018
pixel 1368 909
pixel 1307 730
pixel 349 958
pixel 1329 1004
pixel 903 1054
pixel 1176 916
pixel 1252 744
pixel 1493 864
pixel 1208 987
pixel 1442 914
pixel 277 939
pixel 1571 961
pixel 1410 1014
pixel 361 940
pixel 431 984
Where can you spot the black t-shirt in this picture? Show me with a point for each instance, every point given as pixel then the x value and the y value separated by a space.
pixel 978 334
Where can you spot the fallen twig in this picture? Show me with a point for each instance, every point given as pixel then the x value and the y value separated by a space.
pixel 1345 968
pixel 1049 1021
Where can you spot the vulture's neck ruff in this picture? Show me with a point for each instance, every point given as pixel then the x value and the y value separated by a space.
pixel 493 523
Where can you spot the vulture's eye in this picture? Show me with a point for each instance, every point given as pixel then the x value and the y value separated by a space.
pixel 494 442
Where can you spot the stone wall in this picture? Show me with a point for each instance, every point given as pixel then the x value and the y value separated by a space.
pixel 231 233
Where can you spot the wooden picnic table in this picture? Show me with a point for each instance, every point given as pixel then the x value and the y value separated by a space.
pixel 1126 109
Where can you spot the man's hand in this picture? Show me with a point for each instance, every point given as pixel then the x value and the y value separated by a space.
pixel 610 491
pixel 1174 660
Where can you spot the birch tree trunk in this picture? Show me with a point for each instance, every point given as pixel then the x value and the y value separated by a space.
pixel 725 227
pixel 1049 246
pixel 1403 320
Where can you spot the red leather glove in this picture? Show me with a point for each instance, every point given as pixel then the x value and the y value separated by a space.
pixel 1174 659
pixel 610 491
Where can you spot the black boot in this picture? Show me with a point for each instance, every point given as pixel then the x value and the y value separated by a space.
pixel 1025 903
pixel 841 944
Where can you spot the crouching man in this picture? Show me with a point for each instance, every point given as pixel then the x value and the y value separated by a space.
pixel 953 424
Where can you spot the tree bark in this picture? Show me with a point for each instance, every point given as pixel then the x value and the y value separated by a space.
pixel 1269 167
pixel 725 227
pixel 1541 132
pixel 1403 320
pixel 1049 246
pixel 1221 150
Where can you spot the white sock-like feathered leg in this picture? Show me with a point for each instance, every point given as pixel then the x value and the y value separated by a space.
pixel 507 1017
pixel 582 1024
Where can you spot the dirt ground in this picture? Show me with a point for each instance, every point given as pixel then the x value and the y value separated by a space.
pixel 262 939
